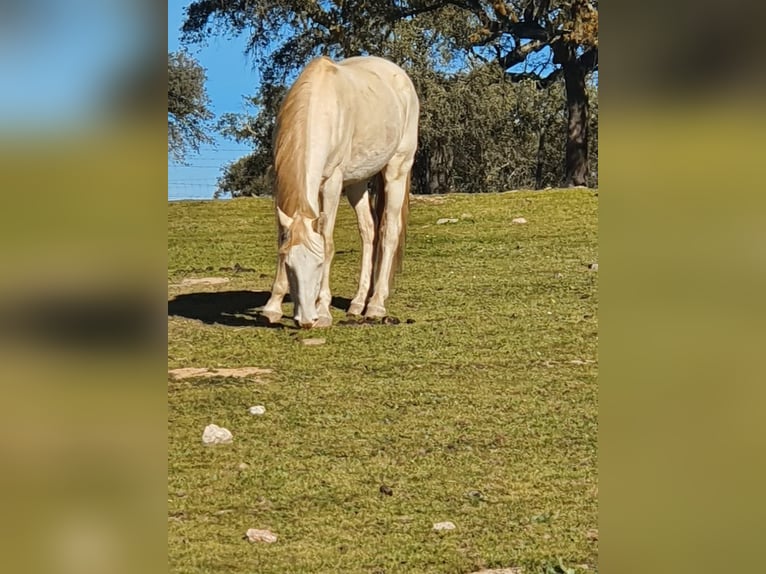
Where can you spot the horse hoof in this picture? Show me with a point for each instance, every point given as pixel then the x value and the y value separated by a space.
pixel 355 310
pixel 272 316
pixel 375 312
pixel 323 322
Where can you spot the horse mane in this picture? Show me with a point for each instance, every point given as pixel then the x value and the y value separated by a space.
pixel 290 144
pixel 298 235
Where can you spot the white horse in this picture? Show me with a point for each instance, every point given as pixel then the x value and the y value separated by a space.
pixel 340 125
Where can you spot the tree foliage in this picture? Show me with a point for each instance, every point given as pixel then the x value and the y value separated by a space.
pixel 189 115
pixel 246 176
pixel 501 83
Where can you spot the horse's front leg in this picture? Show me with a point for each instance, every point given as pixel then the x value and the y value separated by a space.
pixel 330 200
pixel 273 308
pixel 359 198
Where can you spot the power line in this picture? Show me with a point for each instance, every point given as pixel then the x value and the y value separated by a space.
pixel 194 183
pixel 194 167
pixel 202 150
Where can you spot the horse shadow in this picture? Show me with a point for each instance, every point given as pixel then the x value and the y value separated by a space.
pixel 232 308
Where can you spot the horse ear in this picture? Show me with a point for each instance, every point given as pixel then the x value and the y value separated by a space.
pixel 284 220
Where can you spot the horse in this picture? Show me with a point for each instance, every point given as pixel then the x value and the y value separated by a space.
pixel 340 126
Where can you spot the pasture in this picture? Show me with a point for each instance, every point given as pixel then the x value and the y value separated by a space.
pixel 479 407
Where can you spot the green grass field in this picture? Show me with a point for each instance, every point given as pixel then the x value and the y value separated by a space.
pixel 482 410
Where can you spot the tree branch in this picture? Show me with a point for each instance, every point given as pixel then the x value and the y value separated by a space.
pixel 589 59
pixel 542 83
pixel 421 10
pixel 520 53
pixel 502 24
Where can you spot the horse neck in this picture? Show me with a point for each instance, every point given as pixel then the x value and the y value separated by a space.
pixel 303 145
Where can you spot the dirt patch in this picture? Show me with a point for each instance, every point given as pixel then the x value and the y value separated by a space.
pixel 202 372
pixel 237 269
pixel 358 321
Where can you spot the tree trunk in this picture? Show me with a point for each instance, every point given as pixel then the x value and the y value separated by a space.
pixel 540 160
pixel 440 169
pixel 576 162
pixel 432 172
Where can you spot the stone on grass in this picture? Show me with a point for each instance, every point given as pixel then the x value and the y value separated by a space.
pixel 257 410
pixel 446 220
pixel 216 435
pixel 447 525
pixel 593 266
pixel 518 220
pixel 313 342
pixel 256 535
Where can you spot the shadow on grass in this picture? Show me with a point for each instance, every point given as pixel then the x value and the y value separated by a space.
pixel 81 319
pixel 232 308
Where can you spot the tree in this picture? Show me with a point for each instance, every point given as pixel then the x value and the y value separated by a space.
pixel 549 38
pixel 189 116
pixel 249 175
pixel 246 176
pixel 479 132
pixel 539 40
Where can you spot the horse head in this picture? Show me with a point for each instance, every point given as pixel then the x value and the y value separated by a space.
pixel 303 249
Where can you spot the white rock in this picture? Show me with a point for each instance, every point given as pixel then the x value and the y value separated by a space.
pixel 313 342
pixel 518 220
pixel 257 410
pixel 593 266
pixel 216 435
pixel 446 220
pixel 256 535
pixel 444 526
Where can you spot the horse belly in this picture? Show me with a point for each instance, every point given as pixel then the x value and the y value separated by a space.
pixel 368 156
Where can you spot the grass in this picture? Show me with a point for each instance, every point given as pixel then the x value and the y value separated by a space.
pixel 483 411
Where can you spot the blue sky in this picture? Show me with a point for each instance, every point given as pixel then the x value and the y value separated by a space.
pixel 53 79
pixel 230 77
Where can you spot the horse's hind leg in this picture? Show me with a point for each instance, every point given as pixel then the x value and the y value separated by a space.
pixel 396 175
pixel 359 198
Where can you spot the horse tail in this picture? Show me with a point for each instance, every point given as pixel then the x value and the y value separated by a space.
pixel 378 205
pixel 399 256
pixel 378 201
